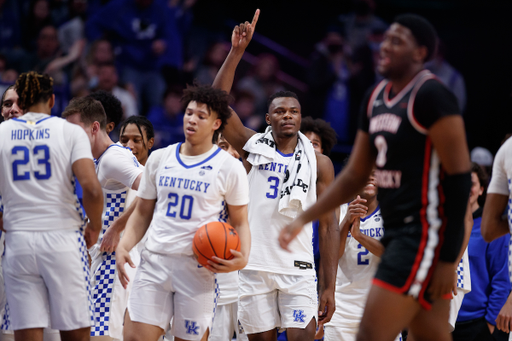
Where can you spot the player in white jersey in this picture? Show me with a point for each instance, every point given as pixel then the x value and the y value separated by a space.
pixel 117 170
pixel 184 186
pixel 494 225
pixel 278 288
pixel 225 324
pixel 45 265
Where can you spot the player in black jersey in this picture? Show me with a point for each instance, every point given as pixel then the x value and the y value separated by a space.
pixel 411 130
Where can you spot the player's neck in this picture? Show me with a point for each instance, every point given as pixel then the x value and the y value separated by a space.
pixel 372 205
pixel 286 145
pixel 41 108
pixel 101 144
pixel 401 82
pixel 189 149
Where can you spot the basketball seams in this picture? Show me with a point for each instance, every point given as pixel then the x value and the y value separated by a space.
pixel 209 241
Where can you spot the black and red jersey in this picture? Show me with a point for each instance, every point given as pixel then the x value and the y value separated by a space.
pixel 408 169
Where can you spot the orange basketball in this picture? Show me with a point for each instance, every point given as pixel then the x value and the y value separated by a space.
pixel 215 239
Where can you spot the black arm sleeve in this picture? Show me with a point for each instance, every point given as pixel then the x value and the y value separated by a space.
pixel 434 101
pixel 364 121
pixel 456 192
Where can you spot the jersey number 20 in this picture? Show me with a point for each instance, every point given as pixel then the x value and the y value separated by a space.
pixel 43 151
pixel 187 202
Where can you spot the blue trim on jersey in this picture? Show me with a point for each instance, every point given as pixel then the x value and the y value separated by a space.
pixel 19 120
pixel 197 164
pixel 285 155
pixel 44 119
pixel 368 217
pixel 112 145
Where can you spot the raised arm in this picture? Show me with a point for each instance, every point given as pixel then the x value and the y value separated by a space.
pixel 328 238
pixel 235 132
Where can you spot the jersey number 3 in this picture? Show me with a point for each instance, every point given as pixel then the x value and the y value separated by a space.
pixel 43 153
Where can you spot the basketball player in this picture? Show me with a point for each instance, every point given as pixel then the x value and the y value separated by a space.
pixel 112 106
pixel 410 126
pixel 225 324
pixel 10 107
pixel 118 170
pixel 137 133
pixel 45 264
pixel 320 133
pixel 278 288
pixel 361 228
pixel 184 186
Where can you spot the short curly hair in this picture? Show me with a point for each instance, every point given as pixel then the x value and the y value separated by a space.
pixel 111 104
pixel 217 100
pixel 323 129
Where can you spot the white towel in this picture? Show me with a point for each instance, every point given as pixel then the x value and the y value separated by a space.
pixel 298 190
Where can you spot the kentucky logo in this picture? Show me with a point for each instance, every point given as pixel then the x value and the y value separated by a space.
pixel 191 327
pixel 299 316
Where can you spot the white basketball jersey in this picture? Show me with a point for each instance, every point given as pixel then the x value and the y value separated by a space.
pixel 117 169
pixel 265 221
pixel 501 183
pixel 356 269
pixel 36 179
pixel 228 287
pixel 189 194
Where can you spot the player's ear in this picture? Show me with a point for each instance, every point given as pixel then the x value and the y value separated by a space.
pixel 151 142
pixel 51 101
pixel 420 54
pixel 217 123
pixel 110 127
pixel 95 127
pixel 267 118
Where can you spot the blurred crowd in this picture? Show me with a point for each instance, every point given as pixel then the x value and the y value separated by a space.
pixel 145 51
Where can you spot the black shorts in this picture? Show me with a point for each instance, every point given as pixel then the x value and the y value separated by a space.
pixel 411 255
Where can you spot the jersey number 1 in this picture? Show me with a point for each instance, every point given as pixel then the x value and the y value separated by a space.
pixel 44 160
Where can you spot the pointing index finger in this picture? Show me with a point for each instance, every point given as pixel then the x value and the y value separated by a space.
pixel 255 18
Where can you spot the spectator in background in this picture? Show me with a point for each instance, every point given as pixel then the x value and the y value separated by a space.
pixel 490 281
pixel 245 107
pixel 47 51
pixel 360 23
pixel 167 119
pixel 328 79
pixel 8 76
pixel 73 29
pixel 146 32
pixel 448 75
pixel 262 81
pixel 484 159
pixel 9 27
pixel 108 80
pixel 213 60
pixel 38 18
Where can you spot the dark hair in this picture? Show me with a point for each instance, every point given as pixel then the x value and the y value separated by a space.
pixel 281 94
pixel 139 121
pixel 482 179
pixel 217 100
pixel 33 88
pixel 90 111
pixel 422 30
pixel 112 106
pixel 5 92
pixel 323 129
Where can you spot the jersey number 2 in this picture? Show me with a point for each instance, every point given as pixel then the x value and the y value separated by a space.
pixel 360 260
pixel 44 160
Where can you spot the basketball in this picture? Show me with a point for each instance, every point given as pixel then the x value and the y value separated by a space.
pixel 215 239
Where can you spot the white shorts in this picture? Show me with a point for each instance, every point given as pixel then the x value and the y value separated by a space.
pixel 455 304
pixel 226 324
pixel 47 279
pixel 168 286
pixel 336 333
pixel 268 300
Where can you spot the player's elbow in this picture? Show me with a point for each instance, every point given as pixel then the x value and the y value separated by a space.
pixel 487 232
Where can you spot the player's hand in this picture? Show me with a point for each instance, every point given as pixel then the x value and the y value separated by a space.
pixel 219 265
pixel 289 232
pixel 357 209
pixel 355 228
pixel 491 327
pixel 326 307
pixel 443 280
pixel 319 333
pixel 242 34
pixel 123 257
pixel 158 47
pixel 91 235
pixel 110 240
pixel 505 316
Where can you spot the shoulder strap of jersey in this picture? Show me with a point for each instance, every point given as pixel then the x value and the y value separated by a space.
pixel 374 95
pixel 410 106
